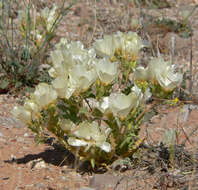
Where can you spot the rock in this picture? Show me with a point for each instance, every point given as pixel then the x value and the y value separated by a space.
pixel 86 188
pixel 12 157
pixel 9 122
pixel 63 178
pixel 2 140
pixel 103 181
pixel 39 185
pixel 20 139
pixel 107 181
pixel 37 164
pixel 26 135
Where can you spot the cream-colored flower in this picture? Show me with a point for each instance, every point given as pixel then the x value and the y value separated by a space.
pixel 49 16
pixel 59 65
pixel 104 105
pixel 164 74
pixel 83 77
pixel 90 135
pixel 75 53
pixel 132 44
pixel 22 114
pixel 62 44
pixel 44 94
pixel 120 104
pixel 142 73
pixel 118 40
pixel 60 84
pixel 67 126
pixel 32 107
pixel 105 47
pixel 107 71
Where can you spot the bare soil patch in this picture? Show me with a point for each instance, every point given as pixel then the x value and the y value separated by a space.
pixel 26 166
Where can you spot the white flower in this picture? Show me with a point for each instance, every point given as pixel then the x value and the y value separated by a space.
pixel 59 65
pixel 120 104
pixel 22 114
pixel 132 43
pixel 49 16
pixel 142 73
pixel 118 40
pixel 32 107
pixel 104 105
pixel 129 44
pixel 90 134
pixel 107 71
pixel 83 77
pixel 147 94
pixel 105 47
pixel 52 72
pixel 63 42
pixel 60 84
pixel 75 53
pixel 44 94
pixel 67 125
pixel 164 74
pixel 77 142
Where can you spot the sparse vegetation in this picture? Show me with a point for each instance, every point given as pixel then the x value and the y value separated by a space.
pixel 25 41
pixel 94 90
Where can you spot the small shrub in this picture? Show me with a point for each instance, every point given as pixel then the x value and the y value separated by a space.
pixel 94 104
pixel 25 40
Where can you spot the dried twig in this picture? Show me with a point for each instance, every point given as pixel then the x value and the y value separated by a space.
pixel 192 132
pixel 95 22
pixel 191 67
pixel 172 46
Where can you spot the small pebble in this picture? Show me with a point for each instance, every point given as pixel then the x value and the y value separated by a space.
pixel 39 185
pixel 63 178
pixel 86 188
pixel 26 135
pixel 37 164
pixel 5 178
pixel 2 140
pixel 12 157
pixel 20 139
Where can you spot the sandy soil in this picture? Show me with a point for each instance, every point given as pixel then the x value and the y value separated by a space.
pixel 26 166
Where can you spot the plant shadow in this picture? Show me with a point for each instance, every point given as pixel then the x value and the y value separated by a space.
pixel 55 155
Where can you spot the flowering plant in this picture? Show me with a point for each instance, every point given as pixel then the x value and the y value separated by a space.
pixel 94 105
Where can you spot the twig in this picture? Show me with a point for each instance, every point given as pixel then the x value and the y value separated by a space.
pixel 118 182
pixel 191 67
pixel 172 49
pixel 95 23
pixel 187 138
pixel 194 130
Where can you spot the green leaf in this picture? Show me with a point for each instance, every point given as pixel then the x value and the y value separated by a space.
pixel 84 110
pixel 93 163
pixel 18 84
pixel 148 115
pixel 4 84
